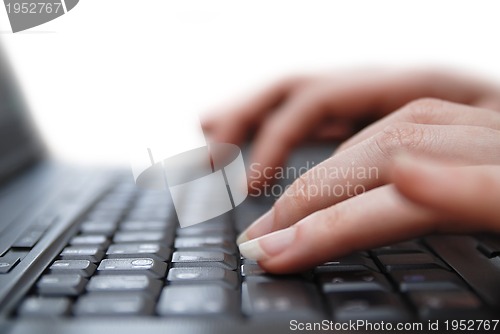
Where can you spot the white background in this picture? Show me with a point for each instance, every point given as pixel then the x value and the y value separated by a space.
pixel 111 71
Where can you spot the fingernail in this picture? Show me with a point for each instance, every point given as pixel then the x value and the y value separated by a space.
pixel 242 238
pixel 261 226
pixel 272 244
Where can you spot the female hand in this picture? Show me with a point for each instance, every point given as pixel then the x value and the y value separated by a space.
pixel 407 196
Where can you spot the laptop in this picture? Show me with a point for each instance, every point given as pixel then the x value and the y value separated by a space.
pixel 86 251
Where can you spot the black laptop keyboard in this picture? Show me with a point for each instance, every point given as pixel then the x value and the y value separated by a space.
pixel 130 258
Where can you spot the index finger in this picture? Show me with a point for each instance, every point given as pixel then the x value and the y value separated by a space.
pixel 234 124
pixel 377 218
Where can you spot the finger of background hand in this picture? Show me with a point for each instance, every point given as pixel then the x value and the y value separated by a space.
pixel 366 165
pixel 430 111
pixel 343 99
pixel 489 102
pixel 357 93
pixel 282 131
pixel 234 123
pixel 336 130
pixel 376 218
pixel 469 193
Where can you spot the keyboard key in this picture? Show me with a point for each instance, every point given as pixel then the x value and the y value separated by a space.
pixel 203 275
pixel 353 281
pixel 125 283
pixel 152 204
pixel 206 243
pixel 202 230
pixel 91 253
pixel 428 279
pixel 146 215
pixel 251 269
pixel 114 201
pixel 224 220
pixel 56 284
pixel 145 266
pixel 215 226
pixel 149 214
pixel 152 250
pixel 45 306
pixel 118 304
pixel 148 225
pixel 90 240
pixel 367 305
pixel 117 200
pixel 7 262
pixel 489 245
pixel 83 268
pixel 29 238
pixel 447 304
pixel 269 297
pixel 153 200
pixel 105 215
pixel 116 205
pixel 106 228
pixel 353 262
pixel 410 261
pixel 204 259
pixel 399 248
pixel 148 236
pixel 197 300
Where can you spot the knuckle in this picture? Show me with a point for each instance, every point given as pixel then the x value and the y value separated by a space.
pixel 312 99
pixel 273 132
pixel 400 136
pixel 423 110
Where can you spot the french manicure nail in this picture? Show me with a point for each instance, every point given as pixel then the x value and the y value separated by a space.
pixel 242 238
pixel 272 244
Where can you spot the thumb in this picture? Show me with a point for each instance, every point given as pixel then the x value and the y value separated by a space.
pixel 467 194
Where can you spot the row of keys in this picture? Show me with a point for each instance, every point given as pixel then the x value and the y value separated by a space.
pixel 156 251
pixel 405 280
pixel 125 278
pixel 261 297
pixel 118 264
pixel 264 296
pixel 174 300
pixel 122 270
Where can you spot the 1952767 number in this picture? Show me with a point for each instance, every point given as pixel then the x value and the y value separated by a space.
pixel 471 325
pixel 34 7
